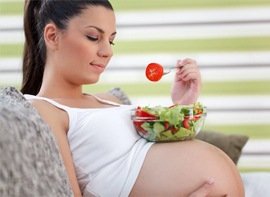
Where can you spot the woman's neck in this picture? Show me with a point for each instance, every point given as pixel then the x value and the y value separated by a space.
pixel 56 89
pixel 55 86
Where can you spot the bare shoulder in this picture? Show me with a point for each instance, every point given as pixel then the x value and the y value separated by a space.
pixel 109 97
pixel 53 116
pixel 43 107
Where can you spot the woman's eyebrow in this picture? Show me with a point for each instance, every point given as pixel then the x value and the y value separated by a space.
pixel 100 30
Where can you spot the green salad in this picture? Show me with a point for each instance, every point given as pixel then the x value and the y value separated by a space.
pixel 174 123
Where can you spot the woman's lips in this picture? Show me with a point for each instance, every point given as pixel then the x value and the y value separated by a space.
pixel 98 67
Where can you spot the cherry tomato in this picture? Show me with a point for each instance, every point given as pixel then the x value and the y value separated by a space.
pixel 174 129
pixel 145 114
pixel 154 71
pixel 197 117
pixel 186 123
pixel 138 125
pixel 166 125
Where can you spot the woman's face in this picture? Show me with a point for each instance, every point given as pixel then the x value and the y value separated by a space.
pixel 85 48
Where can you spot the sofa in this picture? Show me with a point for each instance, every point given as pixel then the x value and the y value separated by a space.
pixel 31 164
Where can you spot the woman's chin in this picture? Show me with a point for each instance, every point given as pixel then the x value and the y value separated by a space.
pixel 92 80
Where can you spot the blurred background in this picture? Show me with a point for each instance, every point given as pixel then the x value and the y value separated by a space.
pixel 230 39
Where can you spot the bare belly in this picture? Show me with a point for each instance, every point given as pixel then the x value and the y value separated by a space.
pixel 177 169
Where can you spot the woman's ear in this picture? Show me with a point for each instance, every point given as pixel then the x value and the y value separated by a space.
pixel 51 36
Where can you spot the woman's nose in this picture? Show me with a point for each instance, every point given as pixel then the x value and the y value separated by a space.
pixel 105 50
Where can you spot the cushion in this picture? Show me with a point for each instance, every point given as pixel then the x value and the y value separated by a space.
pixel 121 95
pixel 231 144
pixel 30 163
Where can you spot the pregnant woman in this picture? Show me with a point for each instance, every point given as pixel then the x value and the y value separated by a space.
pixel 68 44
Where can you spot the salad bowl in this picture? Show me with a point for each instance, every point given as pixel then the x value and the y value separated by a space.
pixel 167 124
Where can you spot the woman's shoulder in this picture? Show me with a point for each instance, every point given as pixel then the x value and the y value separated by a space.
pixel 50 113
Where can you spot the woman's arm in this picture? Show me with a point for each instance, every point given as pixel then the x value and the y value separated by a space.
pixel 58 121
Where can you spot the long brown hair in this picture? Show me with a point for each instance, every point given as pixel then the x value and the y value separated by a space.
pixel 37 14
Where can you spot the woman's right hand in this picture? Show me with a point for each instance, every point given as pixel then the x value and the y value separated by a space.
pixel 204 190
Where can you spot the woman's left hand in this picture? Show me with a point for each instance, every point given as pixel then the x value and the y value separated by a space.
pixel 187 83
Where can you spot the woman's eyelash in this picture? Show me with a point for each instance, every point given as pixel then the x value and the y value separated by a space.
pixel 96 39
pixel 92 38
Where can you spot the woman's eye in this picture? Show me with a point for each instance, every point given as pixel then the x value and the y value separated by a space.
pixel 112 43
pixel 92 38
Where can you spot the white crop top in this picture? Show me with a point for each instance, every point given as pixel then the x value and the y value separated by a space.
pixel 107 152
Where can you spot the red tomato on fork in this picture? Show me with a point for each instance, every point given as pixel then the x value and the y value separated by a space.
pixel 154 71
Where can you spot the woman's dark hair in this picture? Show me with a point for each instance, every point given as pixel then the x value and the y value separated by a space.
pixel 37 14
